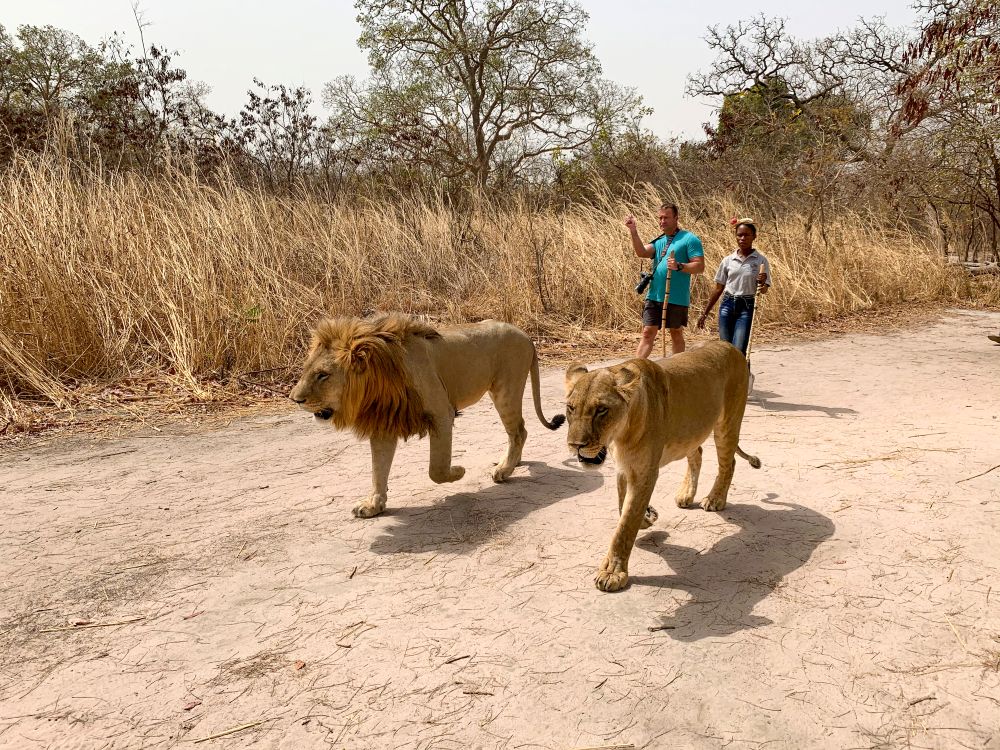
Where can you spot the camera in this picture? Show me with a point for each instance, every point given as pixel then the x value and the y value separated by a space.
pixel 644 279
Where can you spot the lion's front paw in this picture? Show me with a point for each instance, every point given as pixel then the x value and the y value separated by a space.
pixel 501 473
pixel 456 473
pixel 369 507
pixel 611 576
pixel 684 501
pixel 714 503
pixel 650 518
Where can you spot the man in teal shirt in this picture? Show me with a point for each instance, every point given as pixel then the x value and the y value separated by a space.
pixel 679 252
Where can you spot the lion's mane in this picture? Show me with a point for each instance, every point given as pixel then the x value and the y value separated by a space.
pixel 379 398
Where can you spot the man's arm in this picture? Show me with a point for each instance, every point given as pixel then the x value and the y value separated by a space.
pixel 641 249
pixel 694 266
pixel 696 257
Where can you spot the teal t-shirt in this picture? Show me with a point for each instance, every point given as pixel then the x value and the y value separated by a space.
pixel 685 247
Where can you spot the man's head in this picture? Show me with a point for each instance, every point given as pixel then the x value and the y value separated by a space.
pixel 667 217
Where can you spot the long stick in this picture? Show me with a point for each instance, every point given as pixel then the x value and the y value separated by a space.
pixel 663 319
pixel 753 327
pixel 753 321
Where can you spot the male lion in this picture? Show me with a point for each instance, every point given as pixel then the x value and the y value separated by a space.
pixel 391 376
pixel 652 413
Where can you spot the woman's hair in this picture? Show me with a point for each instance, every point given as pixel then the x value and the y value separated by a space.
pixel 746 223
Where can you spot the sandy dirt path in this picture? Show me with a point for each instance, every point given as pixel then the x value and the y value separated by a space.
pixel 848 597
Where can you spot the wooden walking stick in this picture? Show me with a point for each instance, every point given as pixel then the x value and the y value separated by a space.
pixel 753 327
pixel 663 319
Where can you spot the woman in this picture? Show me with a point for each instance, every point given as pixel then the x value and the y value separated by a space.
pixel 738 279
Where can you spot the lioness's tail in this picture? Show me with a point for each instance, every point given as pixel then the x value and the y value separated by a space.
pixel 753 460
pixel 536 397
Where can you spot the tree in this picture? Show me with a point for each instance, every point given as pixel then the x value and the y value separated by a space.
pixel 960 52
pixel 49 70
pixel 47 76
pixel 808 92
pixel 953 96
pixel 277 131
pixel 478 90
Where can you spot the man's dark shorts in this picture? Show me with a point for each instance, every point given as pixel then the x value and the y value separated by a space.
pixel 652 314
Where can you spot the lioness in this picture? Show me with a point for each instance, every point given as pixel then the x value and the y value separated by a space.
pixel 652 413
pixel 391 376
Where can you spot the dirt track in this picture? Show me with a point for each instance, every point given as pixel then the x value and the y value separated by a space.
pixel 848 597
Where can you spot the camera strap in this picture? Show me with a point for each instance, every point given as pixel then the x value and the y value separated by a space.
pixel 666 250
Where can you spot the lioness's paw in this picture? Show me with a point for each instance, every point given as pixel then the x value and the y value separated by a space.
pixel 605 580
pixel 611 576
pixel 650 518
pixel 456 473
pixel 368 508
pixel 501 474
pixel 714 503
pixel 684 501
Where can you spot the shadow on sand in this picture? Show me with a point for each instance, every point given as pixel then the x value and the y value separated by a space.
pixel 467 520
pixel 764 399
pixel 728 580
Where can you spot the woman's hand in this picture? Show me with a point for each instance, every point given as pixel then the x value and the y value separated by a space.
pixel 701 322
pixel 761 286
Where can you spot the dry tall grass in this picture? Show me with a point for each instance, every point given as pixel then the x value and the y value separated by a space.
pixel 105 278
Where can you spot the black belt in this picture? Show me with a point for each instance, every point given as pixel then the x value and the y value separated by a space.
pixel 743 297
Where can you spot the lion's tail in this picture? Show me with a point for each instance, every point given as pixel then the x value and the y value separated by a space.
pixel 753 460
pixel 536 397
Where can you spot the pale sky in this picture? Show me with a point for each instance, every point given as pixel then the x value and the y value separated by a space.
pixel 650 45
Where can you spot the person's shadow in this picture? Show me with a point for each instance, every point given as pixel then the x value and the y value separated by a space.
pixel 727 581
pixel 765 400
pixel 466 520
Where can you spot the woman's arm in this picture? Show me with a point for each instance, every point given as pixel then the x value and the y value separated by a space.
pixel 764 277
pixel 710 304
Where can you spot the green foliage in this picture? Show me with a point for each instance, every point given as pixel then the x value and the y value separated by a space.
pixel 478 91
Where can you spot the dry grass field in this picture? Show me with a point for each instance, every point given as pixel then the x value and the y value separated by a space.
pixel 204 286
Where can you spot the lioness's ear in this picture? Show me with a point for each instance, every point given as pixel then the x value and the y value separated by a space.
pixel 573 373
pixel 627 378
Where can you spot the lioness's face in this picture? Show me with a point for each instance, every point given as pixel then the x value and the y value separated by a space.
pixel 596 407
pixel 321 387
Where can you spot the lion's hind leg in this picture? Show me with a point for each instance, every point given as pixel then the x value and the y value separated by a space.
pixel 727 437
pixel 689 487
pixel 508 405
pixel 725 447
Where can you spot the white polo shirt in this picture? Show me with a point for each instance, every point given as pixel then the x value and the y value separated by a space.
pixel 739 274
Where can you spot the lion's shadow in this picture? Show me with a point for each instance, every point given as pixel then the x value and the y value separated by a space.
pixel 465 520
pixel 728 580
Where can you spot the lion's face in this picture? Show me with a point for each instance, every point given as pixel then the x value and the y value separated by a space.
pixel 597 405
pixel 356 377
pixel 320 389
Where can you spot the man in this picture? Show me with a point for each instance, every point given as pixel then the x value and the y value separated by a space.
pixel 677 251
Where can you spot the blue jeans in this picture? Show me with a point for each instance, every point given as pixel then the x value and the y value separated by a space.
pixel 735 317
